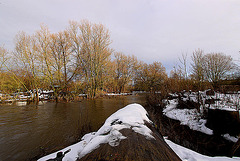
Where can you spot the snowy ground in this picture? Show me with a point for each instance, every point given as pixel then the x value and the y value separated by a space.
pixel 189 117
pixel 192 118
pixel 117 94
pixel 189 155
pixel 229 102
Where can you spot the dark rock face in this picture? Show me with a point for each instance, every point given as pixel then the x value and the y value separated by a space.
pixel 222 122
pixel 135 147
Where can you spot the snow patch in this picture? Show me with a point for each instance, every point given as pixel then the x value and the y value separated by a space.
pixel 187 117
pixel 189 155
pixel 132 116
pixel 230 138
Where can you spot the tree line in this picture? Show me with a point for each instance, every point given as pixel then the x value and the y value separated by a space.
pixel 79 59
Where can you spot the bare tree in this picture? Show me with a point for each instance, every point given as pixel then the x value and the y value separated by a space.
pixel 43 43
pixel 151 77
pixel 124 70
pixel 3 60
pixel 27 60
pixel 94 55
pixel 3 57
pixel 197 66
pixel 216 66
pixel 183 66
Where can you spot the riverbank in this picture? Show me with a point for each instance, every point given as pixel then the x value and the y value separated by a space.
pixel 214 132
pixel 26 98
pixel 31 131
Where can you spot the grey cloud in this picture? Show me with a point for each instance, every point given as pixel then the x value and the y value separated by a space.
pixel 156 30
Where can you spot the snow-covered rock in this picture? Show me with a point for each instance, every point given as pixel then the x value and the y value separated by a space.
pixel 132 116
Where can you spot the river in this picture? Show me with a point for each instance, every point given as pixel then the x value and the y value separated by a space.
pixel 29 131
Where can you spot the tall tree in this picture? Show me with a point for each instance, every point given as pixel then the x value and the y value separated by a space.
pixel 183 66
pixel 124 70
pixel 43 49
pixel 3 61
pixel 216 66
pixel 197 66
pixel 94 55
pixel 63 59
pixel 3 57
pixel 151 77
pixel 27 60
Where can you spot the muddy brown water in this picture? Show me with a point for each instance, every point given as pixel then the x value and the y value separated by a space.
pixel 28 131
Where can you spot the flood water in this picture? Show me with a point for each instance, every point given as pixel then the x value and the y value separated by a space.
pixel 28 131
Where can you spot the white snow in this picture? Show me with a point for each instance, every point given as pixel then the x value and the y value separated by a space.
pixel 189 155
pixel 229 102
pixel 221 107
pixel 82 95
pixel 189 117
pixel 230 138
pixel 117 94
pixel 131 116
pixel 21 103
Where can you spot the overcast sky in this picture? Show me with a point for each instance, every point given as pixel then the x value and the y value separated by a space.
pixel 152 30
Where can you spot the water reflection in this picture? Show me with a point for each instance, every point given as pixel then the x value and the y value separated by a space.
pixel 21 103
pixel 29 130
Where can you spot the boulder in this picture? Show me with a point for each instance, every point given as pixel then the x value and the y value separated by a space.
pixel 135 147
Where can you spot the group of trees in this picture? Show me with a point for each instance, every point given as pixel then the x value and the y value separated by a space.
pixel 210 67
pixel 79 59
pixel 206 70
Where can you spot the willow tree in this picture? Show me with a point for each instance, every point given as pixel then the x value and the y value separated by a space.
pixel 27 60
pixel 63 59
pixel 3 61
pixel 125 70
pixel 151 77
pixel 3 57
pixel 94 54
pixel 43 49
